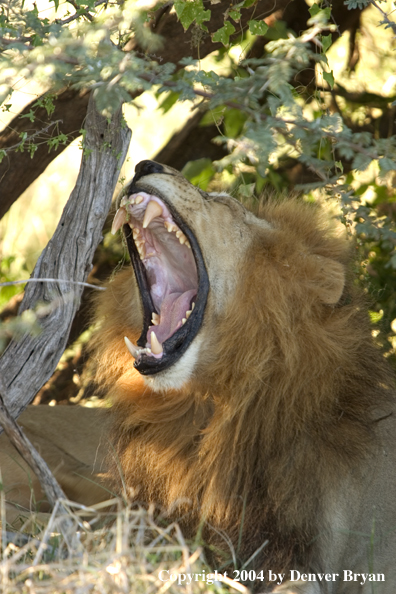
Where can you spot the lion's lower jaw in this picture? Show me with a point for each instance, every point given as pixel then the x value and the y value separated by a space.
pixel 177 376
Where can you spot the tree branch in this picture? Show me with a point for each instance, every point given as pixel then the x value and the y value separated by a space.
pixel 71 105
pixel 27 365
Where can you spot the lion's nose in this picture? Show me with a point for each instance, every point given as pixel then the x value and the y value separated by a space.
pixel 146 167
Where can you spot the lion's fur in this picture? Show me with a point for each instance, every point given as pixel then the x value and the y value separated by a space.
pixel 287 372
pixel 284 431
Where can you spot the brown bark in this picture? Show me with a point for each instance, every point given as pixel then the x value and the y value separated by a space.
pixel 26 365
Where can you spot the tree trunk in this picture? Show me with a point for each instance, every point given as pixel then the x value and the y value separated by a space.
pixel 27 364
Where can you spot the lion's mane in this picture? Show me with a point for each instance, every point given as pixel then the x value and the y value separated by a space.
pixel 288 371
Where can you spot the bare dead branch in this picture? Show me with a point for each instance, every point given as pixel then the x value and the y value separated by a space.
pixel 29 453
pixel 26 365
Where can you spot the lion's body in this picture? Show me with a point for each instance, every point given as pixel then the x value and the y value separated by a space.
pixel 283 429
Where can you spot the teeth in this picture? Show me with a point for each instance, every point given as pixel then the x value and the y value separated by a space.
pixel 134 350
pixel 193 305
pixel 187 243
pixel 171 227
pixel 135 232
pixel 181 237
pixel 138 200
pixel 188 313
pixel 155 318
pixel 156 346
pixel 184 320
pixel 153 211
pixel 119 220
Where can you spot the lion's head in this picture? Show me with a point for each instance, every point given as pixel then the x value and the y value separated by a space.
pixel 254 395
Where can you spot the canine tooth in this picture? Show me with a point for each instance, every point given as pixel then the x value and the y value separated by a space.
pixel 155 318
pixel 138 200
pixel 156 346
pixel 119 220
pixel 134 350
pixel 188 313
pixel 153 211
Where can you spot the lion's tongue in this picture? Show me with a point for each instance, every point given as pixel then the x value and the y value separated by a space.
pixel 173 310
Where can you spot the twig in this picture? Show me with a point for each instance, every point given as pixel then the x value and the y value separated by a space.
pixel 51 280
pixel 29 452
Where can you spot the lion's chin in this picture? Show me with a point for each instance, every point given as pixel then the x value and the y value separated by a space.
pixel 171 277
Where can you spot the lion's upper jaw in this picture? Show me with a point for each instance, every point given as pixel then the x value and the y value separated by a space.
pixel 187 269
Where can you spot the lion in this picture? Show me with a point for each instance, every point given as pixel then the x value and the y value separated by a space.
pixel 249 400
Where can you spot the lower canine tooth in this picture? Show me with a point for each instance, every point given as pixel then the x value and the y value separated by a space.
pixel 156 346
pixel 134 350
pixel 119 220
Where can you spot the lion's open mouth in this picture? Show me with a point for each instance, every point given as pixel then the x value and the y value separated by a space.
pixel 171 275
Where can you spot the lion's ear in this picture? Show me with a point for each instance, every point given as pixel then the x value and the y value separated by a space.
pixel 329 279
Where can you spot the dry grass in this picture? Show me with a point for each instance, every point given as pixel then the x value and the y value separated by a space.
pixel 80 551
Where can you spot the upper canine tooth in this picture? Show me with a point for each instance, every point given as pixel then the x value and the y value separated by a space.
pixel 153 210
pixel 139 199
pixel 119 220
pixel 156 346
pixel 134 350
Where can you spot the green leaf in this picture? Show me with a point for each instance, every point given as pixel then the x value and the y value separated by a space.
pixel 169 101
pixel 188 12
pixel 223 35
pixel 329 78
pixel 258 27
pixel 234 121
pixel 313 11
pixel 235 15
pixel 29 115
pixel 199 172
pixel 327 40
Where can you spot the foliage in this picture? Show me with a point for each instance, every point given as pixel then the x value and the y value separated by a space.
pixel 267 116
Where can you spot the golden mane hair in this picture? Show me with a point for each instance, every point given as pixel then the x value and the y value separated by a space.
pixel 291 368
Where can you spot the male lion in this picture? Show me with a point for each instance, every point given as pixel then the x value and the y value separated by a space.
pixel 255 403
